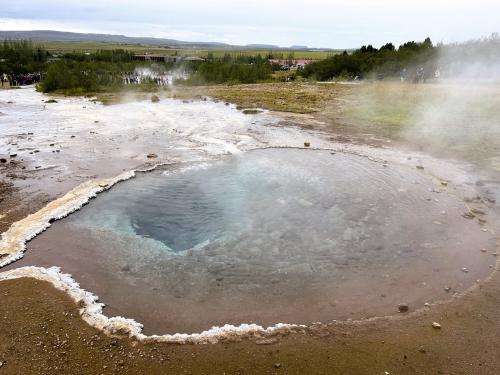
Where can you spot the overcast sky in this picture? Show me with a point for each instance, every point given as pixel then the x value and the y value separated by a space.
pixel 315 23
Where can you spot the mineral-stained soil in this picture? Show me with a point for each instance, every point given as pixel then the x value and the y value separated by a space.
pixel 41 331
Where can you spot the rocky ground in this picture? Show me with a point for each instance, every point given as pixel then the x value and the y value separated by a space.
pixel 42 333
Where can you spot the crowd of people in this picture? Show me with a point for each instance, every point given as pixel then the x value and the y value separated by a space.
pixel 136 78
pixel 20 79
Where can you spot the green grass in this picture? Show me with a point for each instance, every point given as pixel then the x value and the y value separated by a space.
pixel 62 47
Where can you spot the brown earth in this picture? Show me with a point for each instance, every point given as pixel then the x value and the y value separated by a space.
pixel 53 339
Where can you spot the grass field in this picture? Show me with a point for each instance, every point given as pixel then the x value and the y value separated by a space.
pixel 61 47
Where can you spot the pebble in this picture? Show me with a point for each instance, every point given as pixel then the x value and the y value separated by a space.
pixel 403 307
pixel 447 289
pixel 483 250
pixel 277 365
pixel 420 167
pixel 436 325
pixel 427 304
pixel 465 270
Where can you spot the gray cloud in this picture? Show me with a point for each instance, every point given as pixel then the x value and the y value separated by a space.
pixel 336 23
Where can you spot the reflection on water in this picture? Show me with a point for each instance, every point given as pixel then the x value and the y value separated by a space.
pixel 269 236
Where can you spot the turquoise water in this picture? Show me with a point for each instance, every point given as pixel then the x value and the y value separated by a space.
pixel 267 236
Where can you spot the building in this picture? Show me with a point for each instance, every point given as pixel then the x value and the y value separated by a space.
pixel 287 65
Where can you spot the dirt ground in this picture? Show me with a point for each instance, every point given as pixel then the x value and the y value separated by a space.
pixel 41 331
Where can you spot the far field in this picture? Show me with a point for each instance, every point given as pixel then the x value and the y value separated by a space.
pixel 62 47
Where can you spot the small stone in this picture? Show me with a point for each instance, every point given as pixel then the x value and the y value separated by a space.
pixel 420 167
pixel 436 325
pixel 13 155
pixel 307 144
pixel 422 350
pixel 155 99
pixel 403 307
pixel 3 160
pixel 447 289
pixel 277 365
pixel 444 183
pixel 483 250
pixel 152 156
pixel 465 270
pixel 477 211
pixel 468 215
pixel 427 304
pixel 103 185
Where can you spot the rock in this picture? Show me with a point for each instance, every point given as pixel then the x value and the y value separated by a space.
pixel 483 250
pixel 3 160
pixel 96 121
pixel 447 289
pixel 403 307
pixel 307 144
pixel 52 144
pixel 277 365
pixel 427 304
pixel 436 325
pixel 152 156
pixel 155 99
pixel 126 268
pixel 465 270
pixel 51 101
pixel 468 215
pixel 104 185
pixel 477 211
pixel 444 183
pixel 422 350
pixel 251 111
pixel 13 155
pixel 420 167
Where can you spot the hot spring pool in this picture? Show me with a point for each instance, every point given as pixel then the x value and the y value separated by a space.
pixel 278 235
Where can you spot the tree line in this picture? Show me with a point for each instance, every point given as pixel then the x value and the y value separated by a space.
pixel 105 69
pixel 22 57
pixel 386 61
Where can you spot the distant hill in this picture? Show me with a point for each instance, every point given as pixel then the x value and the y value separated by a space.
pixel 63 36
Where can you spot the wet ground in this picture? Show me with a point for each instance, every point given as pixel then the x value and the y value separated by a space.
pixel 52 339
